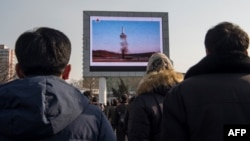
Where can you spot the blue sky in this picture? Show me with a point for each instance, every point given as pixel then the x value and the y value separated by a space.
pixel 188 22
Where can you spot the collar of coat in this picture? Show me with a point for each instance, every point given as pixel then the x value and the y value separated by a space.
pixel 229 63
pixel 159 81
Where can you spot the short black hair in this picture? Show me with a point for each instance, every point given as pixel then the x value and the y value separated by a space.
pixel 124 98
pixel 225 38
pixel 43 51
pixel 114 102
pixel 88 94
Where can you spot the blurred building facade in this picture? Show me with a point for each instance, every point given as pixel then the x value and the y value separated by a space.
pixel 7 63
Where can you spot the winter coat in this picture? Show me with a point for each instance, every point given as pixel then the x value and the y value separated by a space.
pixel 46 108
pixel 127 118
pixel 146 109
pixel 214 94
pixel 111 116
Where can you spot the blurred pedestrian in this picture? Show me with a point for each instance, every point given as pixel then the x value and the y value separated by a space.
pixel 107 108
pixel 111 115
pixel 88 94
pixel 119 118
pixel 127 119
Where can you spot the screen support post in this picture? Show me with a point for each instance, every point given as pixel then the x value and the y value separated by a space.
pixel 102 90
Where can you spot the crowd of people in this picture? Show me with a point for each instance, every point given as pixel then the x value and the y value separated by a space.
pixel 168 105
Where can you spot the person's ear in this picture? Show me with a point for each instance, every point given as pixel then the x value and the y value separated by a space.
pixel 66 72
pixel 19 71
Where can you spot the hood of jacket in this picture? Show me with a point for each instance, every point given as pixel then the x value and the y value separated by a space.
pixel 159 81
pixel 37 107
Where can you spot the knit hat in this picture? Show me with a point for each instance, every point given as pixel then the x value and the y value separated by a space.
pixel 158 62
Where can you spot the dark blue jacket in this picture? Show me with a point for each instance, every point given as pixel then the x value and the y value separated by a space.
pixel 46 108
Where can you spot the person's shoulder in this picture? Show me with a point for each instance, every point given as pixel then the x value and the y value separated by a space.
pixel 3 85
pixel 119 106
pixel 93 110
pixel 91 115
pixel 144 95
pixel 143 99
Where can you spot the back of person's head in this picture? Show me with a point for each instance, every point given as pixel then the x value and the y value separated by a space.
pixel 226 38
pixel 88 94
pixel 158 62
pixel 124 98
pixel 114 102
pixel 43 51
pixel 107 103
pixel 95 99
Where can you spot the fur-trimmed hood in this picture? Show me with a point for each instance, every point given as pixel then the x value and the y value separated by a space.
pixel 227 63
pixel 159 80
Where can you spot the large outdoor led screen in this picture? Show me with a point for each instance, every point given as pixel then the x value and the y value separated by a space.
pixel 123 41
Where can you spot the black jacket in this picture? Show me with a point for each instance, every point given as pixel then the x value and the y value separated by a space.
pixel 46 108
pixel 146 109
pixel 214 94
